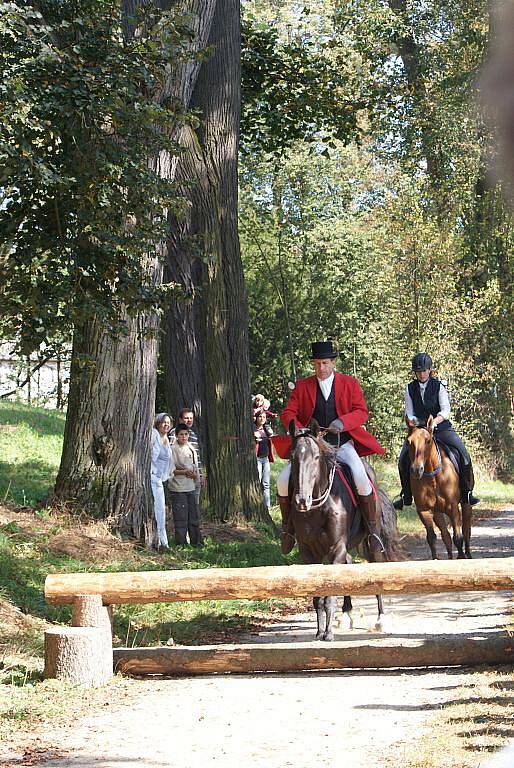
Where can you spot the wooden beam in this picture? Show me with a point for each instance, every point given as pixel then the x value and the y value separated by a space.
pixel 423 577
pixel 443 651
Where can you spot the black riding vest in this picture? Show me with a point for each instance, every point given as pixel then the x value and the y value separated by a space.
pixel 430 406
pixel 325 412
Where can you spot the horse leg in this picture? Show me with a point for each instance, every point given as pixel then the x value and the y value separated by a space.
pixel 330 609
pixel 440 521
pixel 427 518
pixel 319 605
pixel 467 512
pixel 347 621
pixel 381 624
pixel 458 538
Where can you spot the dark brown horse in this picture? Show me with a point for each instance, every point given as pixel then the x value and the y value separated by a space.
pixel 327 524
pixel 436 491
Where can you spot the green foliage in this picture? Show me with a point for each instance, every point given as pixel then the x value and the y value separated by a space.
pixel 399 243
pixel 81 128
pixel 294 88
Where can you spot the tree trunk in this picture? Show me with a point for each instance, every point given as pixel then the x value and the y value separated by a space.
pixel 105 465
pixel 210 333
pixel 106 453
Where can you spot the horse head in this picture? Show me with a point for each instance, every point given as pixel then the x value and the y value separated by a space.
pixel 420 444
pixel 306 463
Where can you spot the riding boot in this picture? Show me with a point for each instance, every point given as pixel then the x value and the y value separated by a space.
pixel 287 538
pixel 405 497
pixel 467 481
pixel 368 507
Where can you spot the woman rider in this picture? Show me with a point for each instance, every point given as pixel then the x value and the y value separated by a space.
pixel 426 396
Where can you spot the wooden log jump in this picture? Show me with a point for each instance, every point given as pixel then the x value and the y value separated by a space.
pixel 443 651
pixel 415 577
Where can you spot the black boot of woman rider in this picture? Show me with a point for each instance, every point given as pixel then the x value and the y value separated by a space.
pixel 427 396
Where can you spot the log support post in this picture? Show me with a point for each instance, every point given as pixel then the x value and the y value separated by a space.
pixel 82 654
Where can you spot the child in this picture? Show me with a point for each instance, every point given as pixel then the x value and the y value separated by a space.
pixel 182 484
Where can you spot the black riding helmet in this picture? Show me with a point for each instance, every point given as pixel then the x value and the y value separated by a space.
pixel 421 362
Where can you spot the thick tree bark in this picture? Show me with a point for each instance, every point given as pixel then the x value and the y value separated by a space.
pixel 106 453
pixel 105 465
pixel 210 334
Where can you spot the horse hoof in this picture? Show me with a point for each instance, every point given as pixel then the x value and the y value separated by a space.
pixel 382 625
pixel 328 636
pixel 320 636
pixel 344 622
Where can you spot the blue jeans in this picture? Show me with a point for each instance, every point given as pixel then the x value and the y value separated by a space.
pixel 263 468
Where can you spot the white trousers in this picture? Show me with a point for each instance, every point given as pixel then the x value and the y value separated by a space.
pixel 159 510
pixel 345 454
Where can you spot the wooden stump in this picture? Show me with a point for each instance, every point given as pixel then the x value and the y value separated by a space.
pixel 89 611
pixel 80 655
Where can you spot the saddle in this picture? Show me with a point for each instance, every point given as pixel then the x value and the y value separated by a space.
pixel 452 454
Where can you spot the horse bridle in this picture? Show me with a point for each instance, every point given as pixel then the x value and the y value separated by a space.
pixel 321 499
pixel 439 459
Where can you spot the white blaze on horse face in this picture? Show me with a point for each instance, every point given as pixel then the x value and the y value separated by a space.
pixel 303 497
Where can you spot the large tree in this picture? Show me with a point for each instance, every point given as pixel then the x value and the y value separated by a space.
pixel 206 355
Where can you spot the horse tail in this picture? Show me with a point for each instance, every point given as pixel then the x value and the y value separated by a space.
pixel 389 533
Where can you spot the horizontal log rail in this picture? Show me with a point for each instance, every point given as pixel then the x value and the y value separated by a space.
pixel 414 577
pixel 443 651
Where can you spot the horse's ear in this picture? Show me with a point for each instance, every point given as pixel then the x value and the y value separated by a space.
pixel 292 428
pixel 430 423
pixel 409 423
pixel 314 427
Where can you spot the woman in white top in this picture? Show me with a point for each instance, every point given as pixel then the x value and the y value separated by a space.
pixel 162 468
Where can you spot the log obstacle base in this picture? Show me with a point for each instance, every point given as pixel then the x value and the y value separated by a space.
pixel 83 653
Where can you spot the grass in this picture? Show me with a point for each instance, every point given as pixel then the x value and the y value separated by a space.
pixel 478 721
pixel 30 451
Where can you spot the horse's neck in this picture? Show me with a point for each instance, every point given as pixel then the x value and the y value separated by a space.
pixel 322 481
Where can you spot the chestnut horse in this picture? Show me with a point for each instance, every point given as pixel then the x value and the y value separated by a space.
pixel 327 523
pixel 436 491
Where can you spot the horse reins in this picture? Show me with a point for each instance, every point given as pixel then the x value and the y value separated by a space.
pixel 322 499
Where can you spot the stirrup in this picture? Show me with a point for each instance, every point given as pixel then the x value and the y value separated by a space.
pixel 471 500
pixel 377 537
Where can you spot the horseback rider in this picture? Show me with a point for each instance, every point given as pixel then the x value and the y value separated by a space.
pixel 336 402
pixel 427 396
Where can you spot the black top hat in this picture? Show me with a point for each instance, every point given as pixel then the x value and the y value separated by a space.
pixel 322 350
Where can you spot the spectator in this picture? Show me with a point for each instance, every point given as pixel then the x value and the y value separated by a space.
pixel 186 516
pixel 264 451
pixel 186 417
pixel 261 405
pixel 162 468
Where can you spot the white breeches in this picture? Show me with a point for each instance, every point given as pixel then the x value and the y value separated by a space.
pixel 345 454
pixel 159 510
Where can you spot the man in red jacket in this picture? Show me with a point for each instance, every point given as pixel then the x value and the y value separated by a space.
pixel 337 403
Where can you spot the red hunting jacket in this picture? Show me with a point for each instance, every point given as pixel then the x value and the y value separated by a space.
pixel 350 405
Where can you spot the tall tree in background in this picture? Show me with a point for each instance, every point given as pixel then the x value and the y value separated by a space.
pixel 206 355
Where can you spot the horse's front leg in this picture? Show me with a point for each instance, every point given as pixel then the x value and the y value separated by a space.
pixel 467 512
pixel 319 607
pixel 330 610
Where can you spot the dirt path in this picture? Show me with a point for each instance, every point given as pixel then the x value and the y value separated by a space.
pixel 355 719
